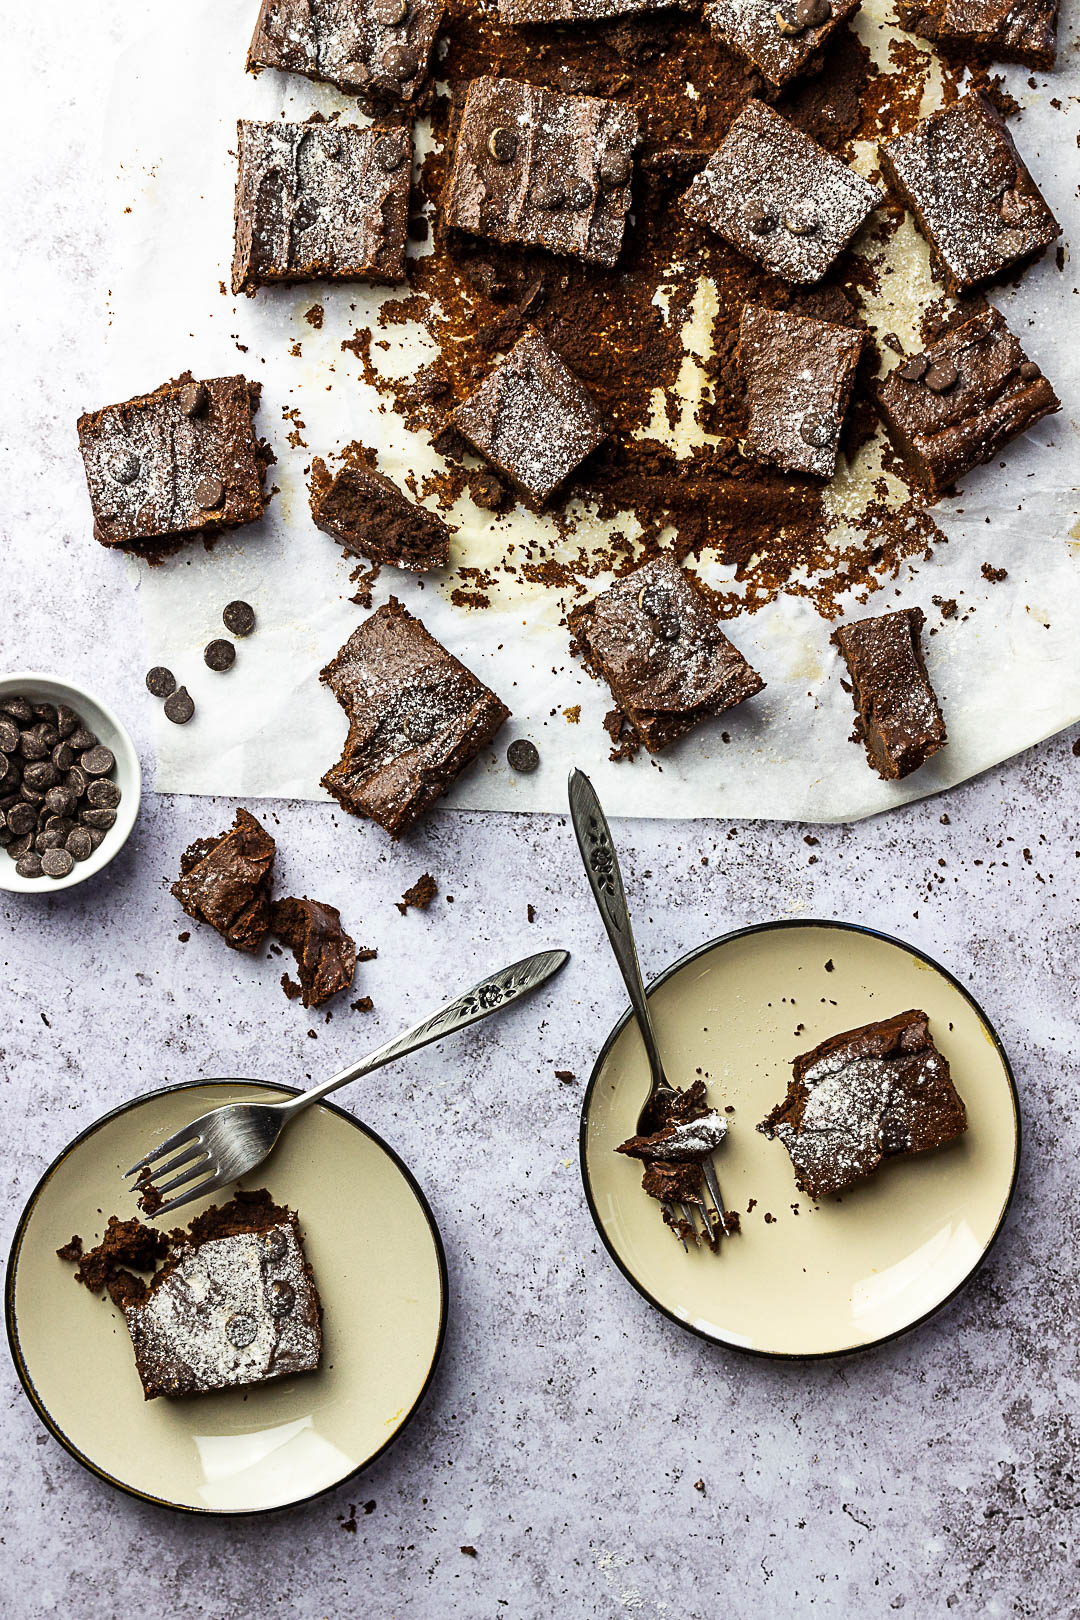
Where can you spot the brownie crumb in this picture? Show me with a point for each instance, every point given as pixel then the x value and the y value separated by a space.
pixel 71 1251
pixel 291 988
pixel 994 575
pixel 565 1076
pixel 365 1004
pixel 420 896
pixel 470 1552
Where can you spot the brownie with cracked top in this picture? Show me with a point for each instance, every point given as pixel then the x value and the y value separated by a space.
pixel 654 636
pixel 325 953
pixel 958 402
pixel 973 199
pixel 781 41
pixel 181 462
pixel 798 375
pixel 320 201
pixel 869 1094
pixel 899 718
pixel 367 513
pixel 225 881
pixel 987 30
pixel 542 169
pixel 377 48
pixel 571 11
pixel 417 718
pixel 532 419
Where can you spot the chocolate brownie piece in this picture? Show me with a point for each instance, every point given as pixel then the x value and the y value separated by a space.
pixel 175 464
pixel 864 1096
pixel 688 1131
pixel 973 199
pixel 899 718
pixel 125 1248
pixel 542 169
pixel 321 201
pixel 798 375
pixel 570 11
pixel 782 41
pixel 532 419
pixel 958 402
pixel 325 954
pixel 779 197
pixel 417 718
pixel 378 48
pixel 654 636
pixel 225 881
pixel 371 517
pixel 987 30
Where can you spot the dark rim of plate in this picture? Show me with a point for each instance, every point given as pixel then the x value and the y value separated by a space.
pixel 669 972
pixel 160 1501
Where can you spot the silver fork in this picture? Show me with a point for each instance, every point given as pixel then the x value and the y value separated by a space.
pixel 231 1141
pixel 605 879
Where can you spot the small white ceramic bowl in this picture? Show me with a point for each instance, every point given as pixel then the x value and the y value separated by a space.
pixel 128 777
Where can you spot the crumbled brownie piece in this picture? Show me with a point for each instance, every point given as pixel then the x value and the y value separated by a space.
pixel 673 1183
pixel 570 11
pixel 378 48
pixel 175 464
pixel 532 419
pixel 973 199
pixel 420 895
pixel 687 1140
pixel 798 375
pixel 987 30
pixel 370 516
pixel 899 718
pixel 959 402
pixel 321 201
pixel 417 718
pixel 325 955
pixel 654 636
pixel 542 169
pixel 126 1246
pixel 779 197
pixel 687 1132
pixel 863 1096
pixel 781 41
pixel 225 881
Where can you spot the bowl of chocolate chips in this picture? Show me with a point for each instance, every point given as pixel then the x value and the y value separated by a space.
pixel 70 784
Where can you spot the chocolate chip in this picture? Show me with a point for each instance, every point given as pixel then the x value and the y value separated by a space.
pixel 193 397
pixel 9 736
pixel 63 824
pixel 812 13
pixel 28 864
pixel 282 1297
pixel 18 709
pixel 523 756
pixel 817 430
pixel 758 219
pixel 1029 370
pixel 51 838
pixel 801 219
pixel 60 801
pixel 549 197
pixel 914 368
pixel 502 144
pixel 241 1329
pixel 75 781
pixel 615 168
pixel 580 196
pixel 82 738
pixel 22 818
pixel 160 681
pixel 307 212
pixel 400 63
pixel 355 73
pixel 239 618
pixel 419 728
pixel 67 720
pixel 63 756
pixel 941 376
pixel 97 836
pixel 78 844
pixel 41 775
pixel 97 761
pixel 1014 208
pixel 103 795
pixel 787 23
pixel 32 744
pixel 209 492
pixel 103 818
pixel 56 863
pixel 179 707
pixel 390 12
pixel 20 845
pixel 220 655
pixel 275 1244
pixel 126 467
pixel 46 712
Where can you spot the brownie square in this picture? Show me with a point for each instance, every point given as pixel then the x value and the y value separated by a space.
pixel 899 719
pixel 321 201
pixel 417 718
pixel 542 169
pixel 532 419
pixel 378 48
pixel 175 464
pixel 960 401
pixel 370 516
pixel 798 374
pixel 987 30
pixel 973 199
pixel 325 954
pixel 864 1096
pixel 654 636
pixel 783 41
pixel 779 197
pixel 564 11
pixel 225 881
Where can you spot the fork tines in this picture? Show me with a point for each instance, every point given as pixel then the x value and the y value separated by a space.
pixel 714 1218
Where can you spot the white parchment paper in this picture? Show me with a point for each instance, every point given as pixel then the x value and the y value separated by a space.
pixel 1006 667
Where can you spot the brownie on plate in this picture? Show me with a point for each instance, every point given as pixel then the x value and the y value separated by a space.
pixel 899 718
pixel 798 374
pixel 673 1155
pixel 325 954
pixel 369 515
pixel 781 41
pixel 225 881
pixel 378 48
pixel 987 30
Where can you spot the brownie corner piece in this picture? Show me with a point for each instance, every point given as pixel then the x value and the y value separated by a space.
pixel 532 418
pixel 375 48
pixel 370 517
pixel 417 719
pixel 899 718
pixel 798 374
pixel 1005 32
pixel 783 41
pixel 325 953
pixel 176 464
pixel 225 881
pixel 320 200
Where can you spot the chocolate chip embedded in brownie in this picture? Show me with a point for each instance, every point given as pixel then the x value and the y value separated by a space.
pixel 987 30
pixel 532 419
pixel 378 48
pixel 654 636
pixel 325 954
pixel 779 196
pixel 864 1096
pixel 782 41
pixel 321 201
pixel 542 169
pixel 798 375
pixel 225 881
pixel 569 11
pixel 175 464
pixel 371 517
pixel 960 401
pixel 973 199
pixel 899 718
pixel 417 718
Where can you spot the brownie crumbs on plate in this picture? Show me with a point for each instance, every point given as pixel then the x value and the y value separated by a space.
pixel 370 517
pixel 325 953
pixel 420 895
pixel 225 881
pixel 125 1248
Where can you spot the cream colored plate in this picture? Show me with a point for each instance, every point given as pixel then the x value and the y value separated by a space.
pixel 379 1266
pixel 816 1279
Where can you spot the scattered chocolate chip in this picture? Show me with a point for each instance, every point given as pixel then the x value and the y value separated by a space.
pixel 160 681
pixel 502 144
pixel 1029 370
pixel 220 655
pixel 275 1245
pixel 103 795
pixel 209 492
pixel 941 376
pixel 179 706
pixel 97 761
pixel 78 844
pixel 56 863
pixel 239 618
pixel 193 397
pixel 549 197
pixel 241 1329
pixel 523 756
pixel 914 368
pixel 29 865
pixel 579 196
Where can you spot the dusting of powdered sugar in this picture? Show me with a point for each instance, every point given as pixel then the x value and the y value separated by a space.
pixel 689 1140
